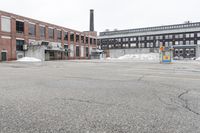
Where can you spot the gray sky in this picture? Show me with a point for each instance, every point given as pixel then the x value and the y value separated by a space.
pixel 109 14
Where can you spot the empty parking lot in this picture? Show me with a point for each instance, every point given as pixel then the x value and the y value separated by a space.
pixel 99 97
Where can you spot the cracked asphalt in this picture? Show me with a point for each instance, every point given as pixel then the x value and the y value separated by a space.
pixel 99 97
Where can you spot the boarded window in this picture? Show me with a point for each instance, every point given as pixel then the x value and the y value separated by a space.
pixel 42 31
pixel 32 29
pixel 51 33
pixel 5 24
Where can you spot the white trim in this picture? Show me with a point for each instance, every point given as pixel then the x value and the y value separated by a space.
pixel 31 23
pixel 50 27
pixel 5 17
pixel 19 20
pixel 58 29
pixel 4 51
pixel 42 25
pixel 13 17
pixel 19 38
pixel 150 33
pixel 5 37
pixel 26 20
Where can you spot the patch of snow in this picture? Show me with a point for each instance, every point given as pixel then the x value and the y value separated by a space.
pixel 141 57
pixel 198 59
pixel 29 59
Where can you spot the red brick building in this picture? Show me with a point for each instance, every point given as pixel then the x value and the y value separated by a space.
pixel 18 32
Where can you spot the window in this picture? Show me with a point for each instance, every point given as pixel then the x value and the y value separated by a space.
pixel 119 39
pixel 95 41
pixel 71 50
pixel 192 42
pixel 166 44
pixel 125 39
pixel 157 37
pixel 133 45
pixel 170 36
pixel 192 35
pixel 142 38
pixel 87 40
pixel 181 51
pixel 170 43
pixel 77 37
pixel 77 51
pixel 187 35
pixel 65 36
pixel 180 35
pixel 142 45
pixel 59 34
pixel 32 29
pixel 82 39
pixel 198 34
pixel 198 42
pixel 19 45
pixel 131 39
pixel 158 44
pixel 187 42
pixel 42 31
pixel 51 33
pixel 5 24
pixel 176 36
pixel 19 27
pixel 176 42
pixel 166 36
pixel 66 50
pixel 82 51
pixel 192 51
pixel 87 51
pixel 148 45
pixel 151 45
pixel 71 36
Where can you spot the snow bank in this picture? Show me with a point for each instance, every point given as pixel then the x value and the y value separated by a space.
pixel 28 59
pixel 198 59
pixel 141 57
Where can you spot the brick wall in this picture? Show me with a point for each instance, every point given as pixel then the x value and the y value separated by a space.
pixel 10 44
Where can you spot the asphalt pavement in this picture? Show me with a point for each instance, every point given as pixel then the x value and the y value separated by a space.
pixel 99 97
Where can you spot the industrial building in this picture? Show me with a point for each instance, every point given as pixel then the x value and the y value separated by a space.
pixel 21 36
pixel 184 38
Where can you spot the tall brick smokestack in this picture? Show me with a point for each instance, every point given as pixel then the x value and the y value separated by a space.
pixel 91 20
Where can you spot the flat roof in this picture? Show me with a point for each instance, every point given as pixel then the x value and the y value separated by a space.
pixel 152 29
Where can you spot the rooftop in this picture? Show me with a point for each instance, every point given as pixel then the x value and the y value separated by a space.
pixel 151 29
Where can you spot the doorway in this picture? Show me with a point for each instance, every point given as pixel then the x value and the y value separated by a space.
pixel 3 56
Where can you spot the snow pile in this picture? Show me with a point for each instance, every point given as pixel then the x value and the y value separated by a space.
pixel 28 59
pixel 198 59
pixel 141 57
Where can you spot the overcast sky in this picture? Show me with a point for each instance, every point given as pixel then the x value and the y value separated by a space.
pixel 109 14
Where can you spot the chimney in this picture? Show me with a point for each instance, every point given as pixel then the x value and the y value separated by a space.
pixel 91 20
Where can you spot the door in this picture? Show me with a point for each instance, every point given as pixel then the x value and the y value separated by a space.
pixel 3 56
